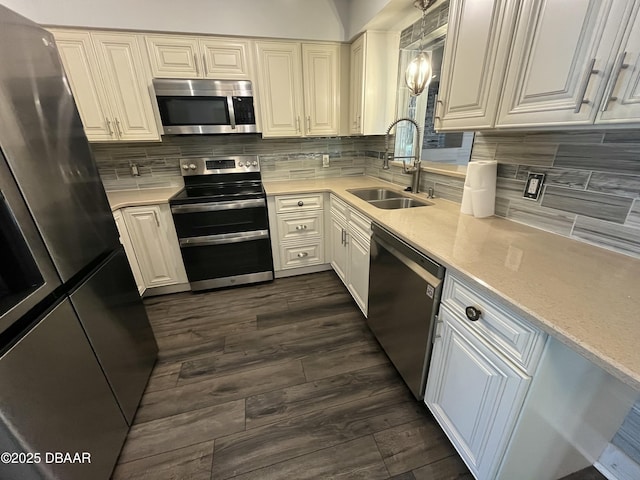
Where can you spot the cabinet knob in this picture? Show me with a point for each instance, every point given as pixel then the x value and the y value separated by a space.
pixel 473 313
pixel 300 203
pixel 302 254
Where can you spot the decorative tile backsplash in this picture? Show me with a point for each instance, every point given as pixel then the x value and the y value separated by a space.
pixel 592 183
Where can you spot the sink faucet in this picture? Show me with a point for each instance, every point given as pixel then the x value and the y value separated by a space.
pixel 415 167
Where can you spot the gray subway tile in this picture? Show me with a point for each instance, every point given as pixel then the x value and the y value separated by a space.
pixel 506 170
pixel 484 151
pixel 302 173
pixel 448 192
pixel 532 214
pixel 604 158
pixel 622 136
pixel 633 219
pixel 591 204
pixel 563 177
pixel 502 206
pixel 530 154
pixel 509 189
pixel 621 238
pixel 352 171
pixel 499 137
pixel 625 185
pixel 575 136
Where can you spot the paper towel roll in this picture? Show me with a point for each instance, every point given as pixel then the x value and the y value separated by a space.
pixel 479 194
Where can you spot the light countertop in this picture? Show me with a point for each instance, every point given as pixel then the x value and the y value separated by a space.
pixel 586 297
pixel 133 198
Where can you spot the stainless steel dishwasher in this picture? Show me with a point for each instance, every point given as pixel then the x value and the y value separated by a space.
pixel 404 296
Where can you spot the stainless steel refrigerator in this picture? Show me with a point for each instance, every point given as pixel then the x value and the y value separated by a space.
pixel 76 347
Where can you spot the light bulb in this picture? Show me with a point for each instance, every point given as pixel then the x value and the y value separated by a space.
pixel 418 74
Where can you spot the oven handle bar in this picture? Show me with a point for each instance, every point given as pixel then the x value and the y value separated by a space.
pixel 224 238
pixel 216 206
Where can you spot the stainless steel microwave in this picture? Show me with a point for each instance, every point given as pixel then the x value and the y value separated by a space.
pixel 205 106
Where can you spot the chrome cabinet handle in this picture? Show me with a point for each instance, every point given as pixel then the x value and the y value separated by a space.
pixel 297 123
pixel 301 227
pixel 473 313
pixel 195 63
pixel 118 127
pixel 309 123
pixel 109 127
pixel 585 84
pixel 155 215
pixel 204 64
pixel 302 254
pixel 435 110
pixel 343 240
pixel 617 67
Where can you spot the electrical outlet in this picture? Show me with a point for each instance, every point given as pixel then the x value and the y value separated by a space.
pixel 533 186
pixel 325 160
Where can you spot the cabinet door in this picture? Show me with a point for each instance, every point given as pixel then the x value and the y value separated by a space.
pixel 174 56
pixel 474 394
pixel 83 73
pixel 356 80
pixel 358 283
pixel 475 55
pixel 560 59
pixel 321 70
pixel 338 248
pixel 621 103
pixel 128 80
pixel 280 82
pixel 226 58
pixel 156 245
pixel 125 240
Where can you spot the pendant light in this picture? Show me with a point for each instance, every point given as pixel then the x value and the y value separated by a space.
pixel 418 73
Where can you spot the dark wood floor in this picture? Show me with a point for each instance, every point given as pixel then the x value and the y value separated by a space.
pixel 278 381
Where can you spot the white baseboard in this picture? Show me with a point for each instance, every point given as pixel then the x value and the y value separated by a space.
pixel 616 465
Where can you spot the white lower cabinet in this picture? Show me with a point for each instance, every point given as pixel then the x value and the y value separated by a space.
pixel 350 244
pixel 125 240
pixel 154 245
pixel 516 403
pixel 475 395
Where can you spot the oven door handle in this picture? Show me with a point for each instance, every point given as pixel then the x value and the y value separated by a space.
pixel 224 238
pixel 216 206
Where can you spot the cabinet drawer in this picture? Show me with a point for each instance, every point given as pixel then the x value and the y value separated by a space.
pixel 513 337
pixel 294 203
pixel 299 225
pixel 301 255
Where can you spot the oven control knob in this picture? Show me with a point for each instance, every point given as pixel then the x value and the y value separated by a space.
pixel 185 167
pixel 192 166
pixel 241 164
pixel 254 163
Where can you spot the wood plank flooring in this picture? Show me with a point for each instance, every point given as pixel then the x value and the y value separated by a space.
pixel 281 380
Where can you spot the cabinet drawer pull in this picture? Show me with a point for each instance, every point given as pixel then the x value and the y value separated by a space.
pixel 585 84
pixel 308 124
pixel 109 127
pixel 300 203
pixel 473 313
pixel 302 254
pixel 204 64
pixel 301 227
pixel 195 64
pixel 155 215
pixel 297 124
pixel 617 67
pixel 118 127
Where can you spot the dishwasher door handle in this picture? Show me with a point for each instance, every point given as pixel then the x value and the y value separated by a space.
pixel 415 267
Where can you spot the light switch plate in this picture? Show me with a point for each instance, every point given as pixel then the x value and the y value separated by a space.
pixel 533 187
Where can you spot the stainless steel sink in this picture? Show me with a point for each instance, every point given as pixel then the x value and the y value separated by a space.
pixel 387 199
pixel 369 194
pixel 394 203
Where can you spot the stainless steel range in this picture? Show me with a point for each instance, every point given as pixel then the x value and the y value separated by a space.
pixel 221 221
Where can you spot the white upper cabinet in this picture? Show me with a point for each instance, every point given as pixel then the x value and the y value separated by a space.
pixel 475 55
pixel 178 56
pixel 373 82
pixel 110 80
pixel 621 102
pixel 127 80
pixel 298 88
pixel 561 58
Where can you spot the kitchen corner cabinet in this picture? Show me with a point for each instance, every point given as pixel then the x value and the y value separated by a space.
pixel 155 244
pixel 561 58
pixel 373 81
pixel 514 402
pixel 299 87
pixel 110 79
pixel 179 56
pixel 125 240
pixel 350 239
pixel 475 55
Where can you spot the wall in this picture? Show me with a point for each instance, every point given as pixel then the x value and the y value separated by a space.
pixel 334 20
pixel 592 186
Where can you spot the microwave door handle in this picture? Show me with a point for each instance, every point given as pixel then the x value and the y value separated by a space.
pixel 232 113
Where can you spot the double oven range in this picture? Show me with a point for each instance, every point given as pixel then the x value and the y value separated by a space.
pixel 222 223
